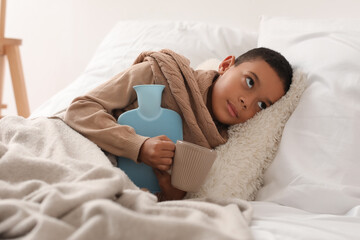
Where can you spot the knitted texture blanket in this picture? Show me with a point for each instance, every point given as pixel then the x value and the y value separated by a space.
pixel 56 184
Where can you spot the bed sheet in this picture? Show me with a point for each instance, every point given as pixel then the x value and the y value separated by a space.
pixel 273 221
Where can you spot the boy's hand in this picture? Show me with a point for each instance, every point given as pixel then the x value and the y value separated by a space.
pixel 157 152
pixel 168 192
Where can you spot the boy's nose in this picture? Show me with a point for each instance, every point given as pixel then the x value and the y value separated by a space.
pixel 243 103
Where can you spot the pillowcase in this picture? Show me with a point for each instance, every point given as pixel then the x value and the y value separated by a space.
pixel 240 164
pixel 317 165
pixel 196 41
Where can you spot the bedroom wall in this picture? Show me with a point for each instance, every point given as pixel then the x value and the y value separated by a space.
pixel 60 36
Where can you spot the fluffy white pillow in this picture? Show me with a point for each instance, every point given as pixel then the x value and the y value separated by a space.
pixel 196 41
pixel 241 162
pixel 317 166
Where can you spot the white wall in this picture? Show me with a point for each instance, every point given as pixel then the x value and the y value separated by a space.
pixel 60 36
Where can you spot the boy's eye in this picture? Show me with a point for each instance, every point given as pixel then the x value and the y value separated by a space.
pixel 262 105
pixel 249 82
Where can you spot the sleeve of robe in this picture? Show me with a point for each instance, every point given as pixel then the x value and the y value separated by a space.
pixel 94 114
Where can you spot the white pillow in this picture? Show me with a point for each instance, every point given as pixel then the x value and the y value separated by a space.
pixel 318 162
pixel 196 41
pixel 240 164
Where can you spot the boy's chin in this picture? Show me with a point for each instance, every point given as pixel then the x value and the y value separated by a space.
pixel 229 122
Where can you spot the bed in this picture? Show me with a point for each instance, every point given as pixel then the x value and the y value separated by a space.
pixel 298 180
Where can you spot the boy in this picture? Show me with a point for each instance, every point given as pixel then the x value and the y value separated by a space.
pixel 208 102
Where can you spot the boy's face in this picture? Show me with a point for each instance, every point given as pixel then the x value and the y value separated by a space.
pixel 242 91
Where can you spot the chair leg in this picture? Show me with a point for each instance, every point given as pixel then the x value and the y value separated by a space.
pixel 17 76
pixel 2 71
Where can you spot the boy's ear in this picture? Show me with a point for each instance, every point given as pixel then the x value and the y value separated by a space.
pixel 226 64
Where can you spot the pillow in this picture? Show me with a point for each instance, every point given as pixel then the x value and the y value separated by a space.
pixel 317 165
pixel 242 160
pixel 196 41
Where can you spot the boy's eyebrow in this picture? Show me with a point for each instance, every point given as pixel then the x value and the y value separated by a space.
pixel 255 76
pixel 268 101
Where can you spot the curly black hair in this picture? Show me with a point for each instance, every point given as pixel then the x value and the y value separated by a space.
pixel 276 61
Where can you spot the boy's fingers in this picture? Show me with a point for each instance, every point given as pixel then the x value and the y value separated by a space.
pixel 165 143
pixel 164 137
pixel 168 145
pixel 158 173
pixel 165 161
pixel 164 167
pixel 167 154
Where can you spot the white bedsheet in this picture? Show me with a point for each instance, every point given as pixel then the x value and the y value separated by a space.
pixel 273 221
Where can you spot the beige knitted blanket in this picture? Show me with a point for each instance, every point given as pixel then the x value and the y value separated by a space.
pixel 56 184
pixel 187 91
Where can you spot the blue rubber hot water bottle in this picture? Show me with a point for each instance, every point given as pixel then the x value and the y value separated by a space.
pixel 149 120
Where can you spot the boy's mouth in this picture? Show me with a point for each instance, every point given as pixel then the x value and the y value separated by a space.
pixel 231 109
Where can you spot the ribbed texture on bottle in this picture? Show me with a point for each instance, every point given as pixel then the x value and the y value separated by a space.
pixel 192 163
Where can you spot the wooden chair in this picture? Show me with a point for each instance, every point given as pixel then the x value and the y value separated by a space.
pixel 10 48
